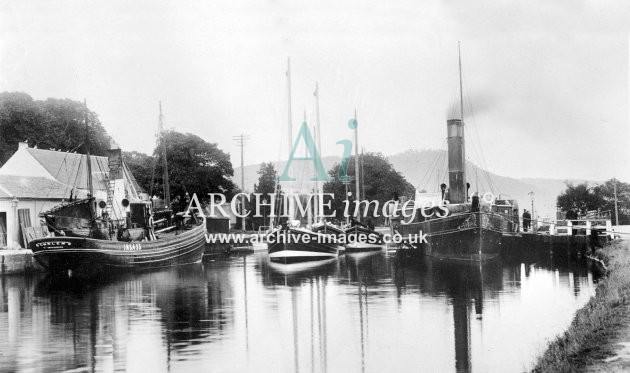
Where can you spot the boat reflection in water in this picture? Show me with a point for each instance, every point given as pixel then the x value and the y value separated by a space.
pixel 465 285
pixel 367 312
pixel 133 322
pixel 301 268
pixel 310 280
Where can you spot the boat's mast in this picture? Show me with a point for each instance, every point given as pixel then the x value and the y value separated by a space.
pixel 461 92
pixel 362 174
pixel 290 201
pixel 289 121
pixel 319 148
pixel 357 190
pixel 316 191
pixel 165 183
pixel 461 112
pixel 87 152
pixel 309 215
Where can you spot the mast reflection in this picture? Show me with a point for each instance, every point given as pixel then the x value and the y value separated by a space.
pixel 464 284
pixel 361 267
pixel 305 278
pixel 243 313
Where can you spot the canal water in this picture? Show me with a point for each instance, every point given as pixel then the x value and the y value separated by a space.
pixel 374 312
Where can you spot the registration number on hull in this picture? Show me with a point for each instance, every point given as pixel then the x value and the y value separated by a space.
pixel 132 247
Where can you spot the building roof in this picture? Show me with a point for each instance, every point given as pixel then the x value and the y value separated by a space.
pixel 32 187
pixel 49 174
pixel 71 168
pixel 4 193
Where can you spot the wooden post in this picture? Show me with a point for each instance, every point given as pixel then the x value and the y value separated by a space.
pixel 616 210
pixel 609 229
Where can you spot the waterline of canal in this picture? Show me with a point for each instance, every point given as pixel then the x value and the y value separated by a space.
pixel 363 312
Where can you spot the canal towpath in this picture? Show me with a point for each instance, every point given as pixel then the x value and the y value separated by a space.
pixel 598 339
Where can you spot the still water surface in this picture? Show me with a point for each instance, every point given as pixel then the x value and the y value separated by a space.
pixel 361 313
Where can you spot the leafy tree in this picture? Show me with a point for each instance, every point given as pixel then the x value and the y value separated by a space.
pixel 50 124
pixel 67 127
pixel 267 184
pixel 381 182
pixel 194 166
pixel 141 167
pixel 607 193
pixel 267 179
pixel 580 196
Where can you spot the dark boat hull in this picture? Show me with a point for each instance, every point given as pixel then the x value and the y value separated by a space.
pixel 89 256
pixel 364 235
pixel 361 247
pixel 329 229
pixel 467 236
pixel 294 251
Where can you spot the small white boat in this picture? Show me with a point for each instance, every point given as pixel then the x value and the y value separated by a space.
pixel 290 245
pixel 298 267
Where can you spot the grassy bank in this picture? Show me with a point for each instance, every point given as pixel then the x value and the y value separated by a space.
pixel 600 322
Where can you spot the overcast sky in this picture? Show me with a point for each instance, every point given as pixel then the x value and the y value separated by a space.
pixel 545 82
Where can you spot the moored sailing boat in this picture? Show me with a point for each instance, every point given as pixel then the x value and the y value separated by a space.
pixel 289 243
pixel 85 243
pixel 326 227
pixel 360 237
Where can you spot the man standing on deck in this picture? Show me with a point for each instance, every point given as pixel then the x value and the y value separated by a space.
pixel 527 219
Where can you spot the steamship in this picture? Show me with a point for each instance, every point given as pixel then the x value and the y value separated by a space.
pixel 457 226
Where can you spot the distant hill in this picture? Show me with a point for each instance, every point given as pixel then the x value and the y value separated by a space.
pixel 427 169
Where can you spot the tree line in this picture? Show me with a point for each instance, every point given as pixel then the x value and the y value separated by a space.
pixel 194 165
pixel 582 198
pixel 53 123
pixel 379 182
pixel 198 166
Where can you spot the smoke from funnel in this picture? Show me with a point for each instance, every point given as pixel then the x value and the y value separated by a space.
pixel 473 104
pixel 454 111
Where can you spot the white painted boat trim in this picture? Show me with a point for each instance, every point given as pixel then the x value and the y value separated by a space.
pixel 298 253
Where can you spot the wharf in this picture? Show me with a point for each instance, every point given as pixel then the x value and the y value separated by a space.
pixel 17 262
pixel 571 246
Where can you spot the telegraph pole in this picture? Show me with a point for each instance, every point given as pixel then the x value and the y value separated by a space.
pixel 531 195
pixel 616 210
pixel 240 141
